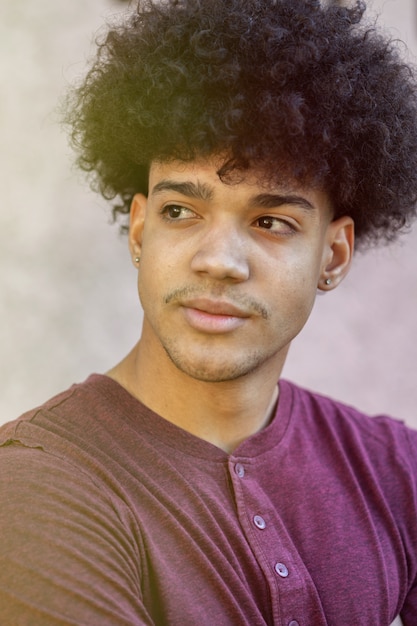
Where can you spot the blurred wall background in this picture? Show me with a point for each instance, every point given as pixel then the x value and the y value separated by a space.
pixel 68 291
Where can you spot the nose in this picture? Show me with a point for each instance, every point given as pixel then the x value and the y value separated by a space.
pixel 222 254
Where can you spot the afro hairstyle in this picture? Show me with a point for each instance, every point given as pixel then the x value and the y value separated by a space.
pixel 298 89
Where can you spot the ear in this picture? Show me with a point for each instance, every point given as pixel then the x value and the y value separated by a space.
pixel 337 253
pixel 136 224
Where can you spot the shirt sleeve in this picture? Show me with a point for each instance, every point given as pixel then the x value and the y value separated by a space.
pixel 68 555
pixel 409 609
pixel 409 612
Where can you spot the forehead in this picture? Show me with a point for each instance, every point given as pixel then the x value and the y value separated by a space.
pixel 203 175
pixel 208 169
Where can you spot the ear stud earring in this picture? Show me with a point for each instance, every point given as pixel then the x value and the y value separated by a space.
pixel 328 281
pixel 137 259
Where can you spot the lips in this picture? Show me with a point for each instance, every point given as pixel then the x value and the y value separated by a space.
pixel 215 307
pixel 213 316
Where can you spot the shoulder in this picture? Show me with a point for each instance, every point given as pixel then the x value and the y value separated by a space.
pixel 77 411
pixel 65 527
pixel 55 487
pixel 343 416
pixel 54 444
pixel 65 443
pixel 381 440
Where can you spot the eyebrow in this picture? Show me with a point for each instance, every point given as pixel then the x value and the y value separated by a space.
pixel 197 190
pixel 202 191
pixel 274 200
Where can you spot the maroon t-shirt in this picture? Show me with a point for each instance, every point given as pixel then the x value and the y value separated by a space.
pixel 111 515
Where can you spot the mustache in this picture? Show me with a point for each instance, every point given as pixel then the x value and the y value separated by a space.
pixel 240 300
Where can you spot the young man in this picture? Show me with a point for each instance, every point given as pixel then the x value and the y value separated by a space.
pixel 248 140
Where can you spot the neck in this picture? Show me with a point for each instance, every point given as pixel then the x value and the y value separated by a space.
pixel 222 413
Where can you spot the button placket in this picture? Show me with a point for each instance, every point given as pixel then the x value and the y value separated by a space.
pixel 289 581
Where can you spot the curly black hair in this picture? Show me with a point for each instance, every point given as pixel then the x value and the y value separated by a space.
pixel 296 88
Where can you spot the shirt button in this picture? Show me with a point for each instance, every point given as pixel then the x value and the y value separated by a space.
pixel 259 522
pixel 293 622
pixel 281 570
pixel 240 470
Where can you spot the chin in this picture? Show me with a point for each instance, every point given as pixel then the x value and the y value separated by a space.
pixel 209 371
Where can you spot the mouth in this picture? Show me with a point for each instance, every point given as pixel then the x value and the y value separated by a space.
pixel 214 316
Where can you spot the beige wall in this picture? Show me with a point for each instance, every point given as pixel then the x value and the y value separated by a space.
pixel 68 304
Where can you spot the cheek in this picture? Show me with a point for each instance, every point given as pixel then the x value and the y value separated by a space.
pixel 303 268
pixel 156 278
pixel 295 289
pixel 147 281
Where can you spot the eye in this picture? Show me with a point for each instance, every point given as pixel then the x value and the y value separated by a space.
pixel 176 212
pixel 275 224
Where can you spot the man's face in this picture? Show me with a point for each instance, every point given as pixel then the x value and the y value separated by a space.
pixel 228 272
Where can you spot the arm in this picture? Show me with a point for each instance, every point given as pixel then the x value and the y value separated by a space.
pixel 68 555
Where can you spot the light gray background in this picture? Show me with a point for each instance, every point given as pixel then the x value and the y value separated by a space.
pixel 68 291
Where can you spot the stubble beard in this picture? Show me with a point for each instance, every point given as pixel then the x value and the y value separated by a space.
pixel 207 365
pixel 215 373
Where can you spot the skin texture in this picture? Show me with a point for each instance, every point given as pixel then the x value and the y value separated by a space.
pixel 228 275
